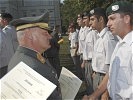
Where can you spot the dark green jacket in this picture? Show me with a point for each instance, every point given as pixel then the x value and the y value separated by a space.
pixel 30 58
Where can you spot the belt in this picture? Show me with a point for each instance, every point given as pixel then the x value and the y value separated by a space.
pixel 101 74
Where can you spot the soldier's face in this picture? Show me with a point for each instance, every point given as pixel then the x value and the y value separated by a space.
pixel 86 20
pixel 93 22
pixel 80 21
pixel 117 23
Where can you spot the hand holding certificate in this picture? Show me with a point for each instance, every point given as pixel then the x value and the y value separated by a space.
pixel 69 83
pixel 22 82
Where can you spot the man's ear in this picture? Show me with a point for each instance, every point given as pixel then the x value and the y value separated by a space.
pixel 101 19
pixel 127 19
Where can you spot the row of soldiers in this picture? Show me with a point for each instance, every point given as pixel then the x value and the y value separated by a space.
pixel 97 55
pixel 110 62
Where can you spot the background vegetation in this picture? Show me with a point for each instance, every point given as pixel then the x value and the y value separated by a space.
pixel 71 8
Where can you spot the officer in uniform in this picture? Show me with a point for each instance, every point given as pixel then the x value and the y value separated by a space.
pixel 34 38
pixel 120 75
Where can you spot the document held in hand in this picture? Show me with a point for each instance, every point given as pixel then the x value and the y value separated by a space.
pixel 22 82
pixel 69 83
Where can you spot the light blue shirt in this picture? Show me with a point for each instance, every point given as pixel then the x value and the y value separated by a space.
pixel 120 84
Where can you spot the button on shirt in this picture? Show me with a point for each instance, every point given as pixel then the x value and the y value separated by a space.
pixel 90 40
pixel 120 84
pixel 103 50
pixel 82 36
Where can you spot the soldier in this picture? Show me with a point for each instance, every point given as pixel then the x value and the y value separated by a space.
pixel 103 47
pixel 90 40
pixel 34 38
pixel 120 75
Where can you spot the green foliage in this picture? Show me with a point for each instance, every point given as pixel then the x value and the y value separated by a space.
pixel 71 8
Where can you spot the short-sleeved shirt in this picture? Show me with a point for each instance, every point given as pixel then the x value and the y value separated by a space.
pixel 120 84
pixel 90 40
pixel 73 39
pixel 103 50
pixel 82 36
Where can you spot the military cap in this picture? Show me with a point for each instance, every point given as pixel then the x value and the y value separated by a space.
pixel 119 6
pixel 80 15
pixel 72 26
pixel 98 11
pixel 6 15
pixel 29 22
pixel 86 14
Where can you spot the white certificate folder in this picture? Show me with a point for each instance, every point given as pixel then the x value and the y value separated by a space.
pixel 22 82
pixel 69 83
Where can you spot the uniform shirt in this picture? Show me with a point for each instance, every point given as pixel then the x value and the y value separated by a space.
pixel 11 39
pixel 73 39
pixel 89 44
pixel 120 84
pixel 103 50
pixel 3 49
pixel 82 36
pixel 29 57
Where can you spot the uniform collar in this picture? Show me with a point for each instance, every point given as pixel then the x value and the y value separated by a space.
pixel 6 27
pixel 102 33
pixel 32 53
pixel 128 38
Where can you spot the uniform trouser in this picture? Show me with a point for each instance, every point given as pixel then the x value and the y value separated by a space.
pixel 97 79
pixel 76 61
pixel 82 69
pixel 3 71
pixel 88 76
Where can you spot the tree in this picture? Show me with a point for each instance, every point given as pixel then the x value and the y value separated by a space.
pixel 71 8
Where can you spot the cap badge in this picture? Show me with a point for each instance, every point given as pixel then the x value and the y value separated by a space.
pixel 115 7
pixel 92 11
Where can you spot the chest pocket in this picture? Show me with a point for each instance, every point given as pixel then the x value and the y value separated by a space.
pixel 100 48
pixel 89 40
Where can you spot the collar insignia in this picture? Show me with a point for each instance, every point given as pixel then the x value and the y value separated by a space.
pixel 40 58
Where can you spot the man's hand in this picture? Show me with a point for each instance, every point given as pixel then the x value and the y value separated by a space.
pixel 91 97
pixel 105 96
pixel 83 64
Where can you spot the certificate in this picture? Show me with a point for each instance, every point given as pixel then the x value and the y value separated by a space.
pixel 69 83
pixel 22 82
